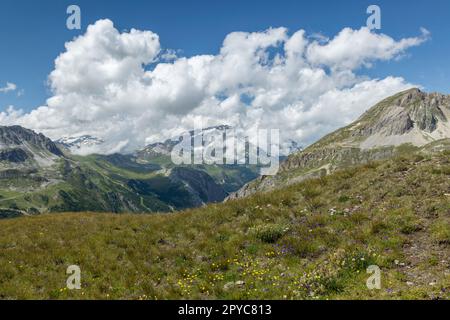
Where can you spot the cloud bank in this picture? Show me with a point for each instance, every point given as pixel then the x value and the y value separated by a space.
pixel 120 87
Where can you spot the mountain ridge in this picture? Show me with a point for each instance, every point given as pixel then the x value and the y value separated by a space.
pixel 406 121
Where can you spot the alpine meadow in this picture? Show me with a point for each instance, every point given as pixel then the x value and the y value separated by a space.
pixel 224 152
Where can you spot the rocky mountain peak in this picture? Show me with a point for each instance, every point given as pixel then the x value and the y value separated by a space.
pixel 165 148
pixel 76 143
pixel 411 116
pixel 17 136
pixel 412 119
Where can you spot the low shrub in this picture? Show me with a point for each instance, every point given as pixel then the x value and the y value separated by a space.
pixel 269 233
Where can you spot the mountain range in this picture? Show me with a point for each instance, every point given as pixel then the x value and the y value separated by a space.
pixel 38 175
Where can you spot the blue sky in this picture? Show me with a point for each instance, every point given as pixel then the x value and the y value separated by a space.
pixel 33 33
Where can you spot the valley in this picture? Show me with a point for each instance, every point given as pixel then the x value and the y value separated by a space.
pixel 38 180
pixel 310 240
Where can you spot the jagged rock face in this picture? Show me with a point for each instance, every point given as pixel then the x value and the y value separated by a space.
pixel 13 155
pixel 397 121
pixel 411 118
pixel 23 149
pixel 426 110
pixel 400 114
pixel 17 136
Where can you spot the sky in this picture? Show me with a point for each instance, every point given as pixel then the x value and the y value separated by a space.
pixel 33 35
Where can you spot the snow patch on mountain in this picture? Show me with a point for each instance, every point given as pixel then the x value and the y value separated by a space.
pixel 81 145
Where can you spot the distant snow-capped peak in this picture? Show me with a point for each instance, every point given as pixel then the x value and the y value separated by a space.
pixel 165 148
pixel 79 142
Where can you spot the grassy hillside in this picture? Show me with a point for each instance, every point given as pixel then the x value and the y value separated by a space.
pixel 312 240
pixel 82 183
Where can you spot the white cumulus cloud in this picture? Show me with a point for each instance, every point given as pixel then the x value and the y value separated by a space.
pixel 351 49
pixel 103 85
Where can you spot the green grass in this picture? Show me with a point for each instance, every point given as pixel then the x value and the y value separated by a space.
pixel 312 240
pixel 440 231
